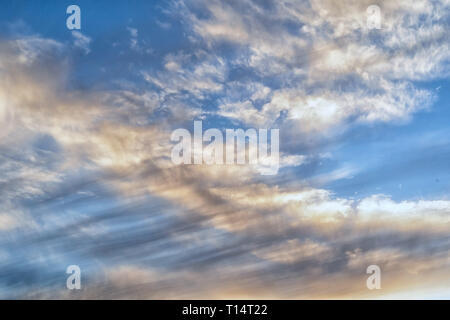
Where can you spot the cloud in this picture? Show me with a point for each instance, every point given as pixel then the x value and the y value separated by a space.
pixel 133 38
pixel 30 48
pixel 7 222
pixel 91 169
pixel 199 76
pixel 378 206
pixel 81 41
pixel 331 68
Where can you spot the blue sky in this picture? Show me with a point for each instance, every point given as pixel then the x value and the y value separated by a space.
pixel 387 156
pixel 87 114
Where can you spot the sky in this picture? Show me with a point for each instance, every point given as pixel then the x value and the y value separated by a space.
pixel 86 176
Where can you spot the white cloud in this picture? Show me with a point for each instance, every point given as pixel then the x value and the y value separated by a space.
pixel 383 207
pixel 30 48
pixel 133 38
pixel 81 41
pixel 326 44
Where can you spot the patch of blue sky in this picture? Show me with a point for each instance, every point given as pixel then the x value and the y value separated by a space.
pixel 406 160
